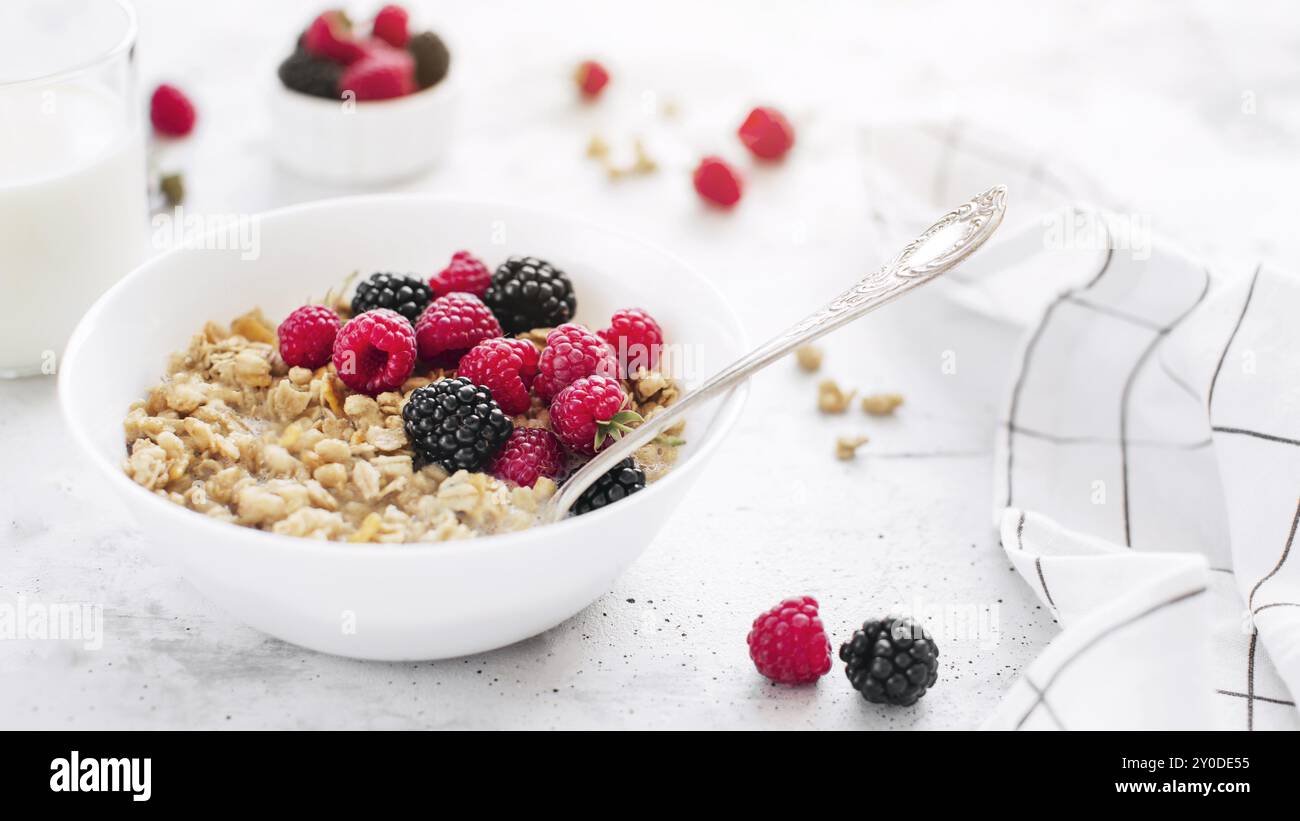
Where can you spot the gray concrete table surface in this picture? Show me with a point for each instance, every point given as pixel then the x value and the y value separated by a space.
pixel 1190 111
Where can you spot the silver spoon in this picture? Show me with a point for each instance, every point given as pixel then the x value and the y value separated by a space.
pixel 944 245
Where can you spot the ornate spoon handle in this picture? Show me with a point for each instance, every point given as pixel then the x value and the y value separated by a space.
pixel 944 245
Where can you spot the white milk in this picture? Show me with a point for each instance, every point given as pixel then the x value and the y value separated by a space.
pixel 73 213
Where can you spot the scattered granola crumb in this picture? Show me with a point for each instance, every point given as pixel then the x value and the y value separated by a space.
pixel 173 188
pixel 881 404
pixel 809 357
pixel 644 163
pixel 597 148
pixel 846 447
pixel 641 163
pixel 831 398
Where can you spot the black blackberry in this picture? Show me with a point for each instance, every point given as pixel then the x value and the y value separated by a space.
pixel 308 74
pixel 528 293
pixel 621 481
pixel 431 58
pixel 407 295
pixel 891 661
pixel 456 424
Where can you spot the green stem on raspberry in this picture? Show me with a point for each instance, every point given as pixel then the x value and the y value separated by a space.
pixel 617 425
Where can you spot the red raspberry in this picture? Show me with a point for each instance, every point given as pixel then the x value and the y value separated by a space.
pixel 451 325
pixel 588 415
pixel 330 36
pixel 375 351
pixel 171 111
pixel 717 182
pixel 505 367
pixel 788 643
pixel 636 338
pixel 528 455
pixel 465 273
pixel 384 73
pixel 591 78
pixel 766 133
pixel 390 26
pixel 307 336
pixel 571 353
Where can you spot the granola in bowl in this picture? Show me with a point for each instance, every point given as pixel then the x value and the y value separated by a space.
pixel 431 419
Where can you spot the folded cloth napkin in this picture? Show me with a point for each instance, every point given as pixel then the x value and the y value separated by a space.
pixel 1147 473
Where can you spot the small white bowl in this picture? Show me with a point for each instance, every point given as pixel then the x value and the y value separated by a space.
pixel 393 602
pixel 362 143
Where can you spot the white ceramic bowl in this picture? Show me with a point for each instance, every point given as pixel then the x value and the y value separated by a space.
pixel 418 601
pixel 362 143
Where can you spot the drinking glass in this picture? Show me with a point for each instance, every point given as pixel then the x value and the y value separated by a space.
pixel 73 199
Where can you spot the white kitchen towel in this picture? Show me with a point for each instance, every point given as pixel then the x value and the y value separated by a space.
pixel 1147 475
pixel 1112 444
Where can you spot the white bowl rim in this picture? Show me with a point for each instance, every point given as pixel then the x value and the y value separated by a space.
pixel 726 415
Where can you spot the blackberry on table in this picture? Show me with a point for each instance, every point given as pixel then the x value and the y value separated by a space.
pixel 891 661
pixel 309 74
pixel 621 481
pixel 407 295
pixel 432 60
pixel 456 424
pixel 528 293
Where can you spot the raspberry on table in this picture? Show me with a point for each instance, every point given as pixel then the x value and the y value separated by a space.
pixel 382 74
pixel 432 60
pixel 636 338
pixel 528 293
pixel 788 643
pixel 591 78
pixel 571 353
pixel 465 272
pixel 408 295
pixel 451 325
pixel 528 455
pixel 375 352
pixel 891 660
pixel 456 424
pixel 171 112
pixel 766 133
pixel 717 182
pixel 390 25
pixel 589 414
pixel 307 336
pixel 330 36
pixel 308 74
pixel 506 367
pixel 619 482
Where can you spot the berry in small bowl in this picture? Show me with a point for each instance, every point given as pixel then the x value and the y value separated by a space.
pixel 362 102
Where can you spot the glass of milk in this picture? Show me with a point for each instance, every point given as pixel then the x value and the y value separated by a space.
pixel 73 200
